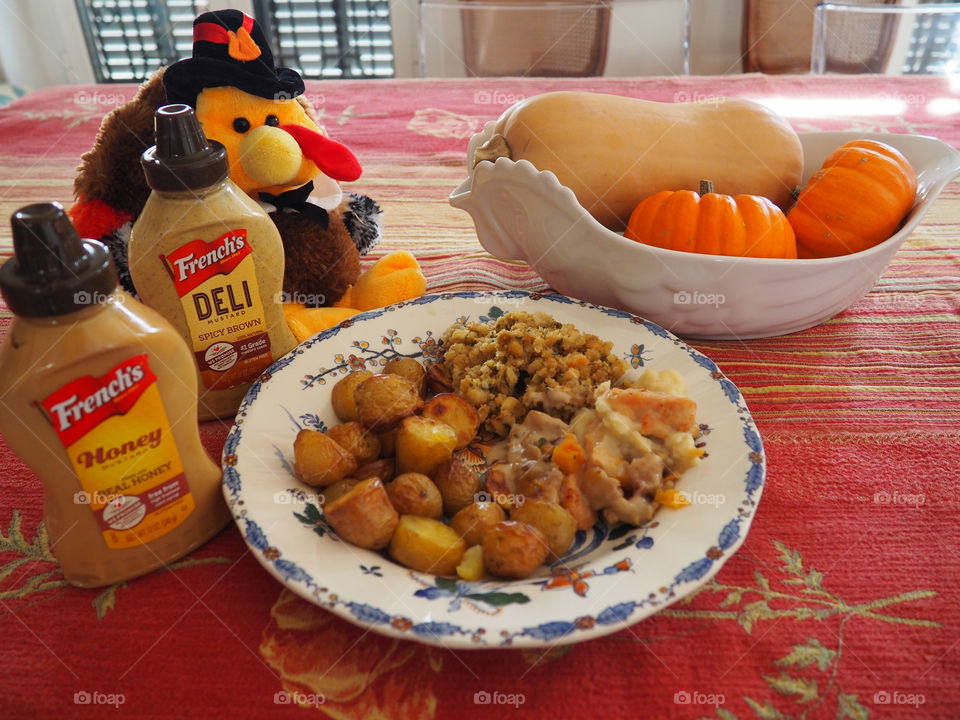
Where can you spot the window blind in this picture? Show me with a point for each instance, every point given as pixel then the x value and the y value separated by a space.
pixel 128 39
pixel 330 38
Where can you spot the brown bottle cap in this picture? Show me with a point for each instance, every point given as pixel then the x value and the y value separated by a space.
pixel 52 271
pixel 183 158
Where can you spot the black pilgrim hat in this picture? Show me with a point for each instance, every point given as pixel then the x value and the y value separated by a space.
pixel 229 50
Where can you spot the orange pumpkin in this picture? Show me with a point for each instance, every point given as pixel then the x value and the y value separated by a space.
pixel 858 198
pixel 712 224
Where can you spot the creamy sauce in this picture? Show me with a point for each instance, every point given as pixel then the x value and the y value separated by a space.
pixel 212 263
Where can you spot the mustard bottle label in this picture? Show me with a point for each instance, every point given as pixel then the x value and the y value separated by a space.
pixel 217 286
pixel 116 432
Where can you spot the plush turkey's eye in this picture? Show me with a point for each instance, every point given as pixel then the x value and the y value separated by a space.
pixel 272 121
pixel 241 124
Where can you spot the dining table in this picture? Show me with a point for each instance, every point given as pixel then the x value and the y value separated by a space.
pixel 843 601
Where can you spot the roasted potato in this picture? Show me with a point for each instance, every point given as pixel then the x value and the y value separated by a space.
pixel 319 460
pixel 341 487
pixel 471 564
pixel 341 397
pixel 382 401
pixel 357 440
pixel 498 487
pixel 556 524
pixel 364 515
pixel 415 494
pixel 426 545
pixel 456 412
pixel 388 442
pixel 458 483
pixel 471 522
pixel 513 549
pixel 422 444
pixel 410 369
pixel 437 379
pixel 383 469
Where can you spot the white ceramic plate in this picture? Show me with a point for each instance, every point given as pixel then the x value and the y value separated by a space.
pixel 622 575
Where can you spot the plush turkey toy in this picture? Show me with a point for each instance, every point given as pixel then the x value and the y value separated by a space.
pixel 278 155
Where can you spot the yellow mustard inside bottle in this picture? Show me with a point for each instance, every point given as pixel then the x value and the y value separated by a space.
pixel 99 399
pixel 210 260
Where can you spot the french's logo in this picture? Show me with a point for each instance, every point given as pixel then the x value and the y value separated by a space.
pixel 82 404
pixel 196 262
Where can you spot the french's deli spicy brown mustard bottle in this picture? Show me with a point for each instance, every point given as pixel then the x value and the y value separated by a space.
pixel 208 258
pixel 98 395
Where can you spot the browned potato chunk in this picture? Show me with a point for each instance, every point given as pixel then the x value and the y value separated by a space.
pixel 427 545
pixel 363 516
pixel 456 412
pixel 410 369
pixel 498 488
pixel 341 397
pixel 384 400
pixel 319 460
pixel 556 524
pixel 513 549
pixel 383 469
pixel 471 522
pixel 341 487
pixel 437 379
pixel 458 483
pixel 471 565
pixel 357 440
pixel 422 444
pixel 388 442
pixel 415 494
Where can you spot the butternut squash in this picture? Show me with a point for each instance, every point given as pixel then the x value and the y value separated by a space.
pixel 614 151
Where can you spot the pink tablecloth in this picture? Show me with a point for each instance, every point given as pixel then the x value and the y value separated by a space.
pixel 842 603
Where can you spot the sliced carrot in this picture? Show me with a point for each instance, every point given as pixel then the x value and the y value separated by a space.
pixel 672 498
pixel 568 455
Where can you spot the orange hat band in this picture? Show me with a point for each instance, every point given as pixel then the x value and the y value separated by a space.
pixel 214 33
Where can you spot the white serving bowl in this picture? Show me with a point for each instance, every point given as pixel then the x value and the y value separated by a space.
pixel 523 214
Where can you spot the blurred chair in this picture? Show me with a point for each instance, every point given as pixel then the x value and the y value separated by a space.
pixel 491 38
pixel 915 39
pixel 518 37
pixel 503 38
pixel 777 37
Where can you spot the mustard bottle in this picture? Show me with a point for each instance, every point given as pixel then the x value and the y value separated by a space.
pixel 210 260
pixel 99 399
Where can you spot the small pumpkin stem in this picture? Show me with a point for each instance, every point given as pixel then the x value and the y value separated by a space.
pixel 706 186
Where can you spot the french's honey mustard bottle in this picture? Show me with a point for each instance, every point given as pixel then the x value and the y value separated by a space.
pixel 210 260
pixel 98 395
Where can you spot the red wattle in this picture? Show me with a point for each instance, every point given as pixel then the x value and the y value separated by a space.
pixel 333 159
